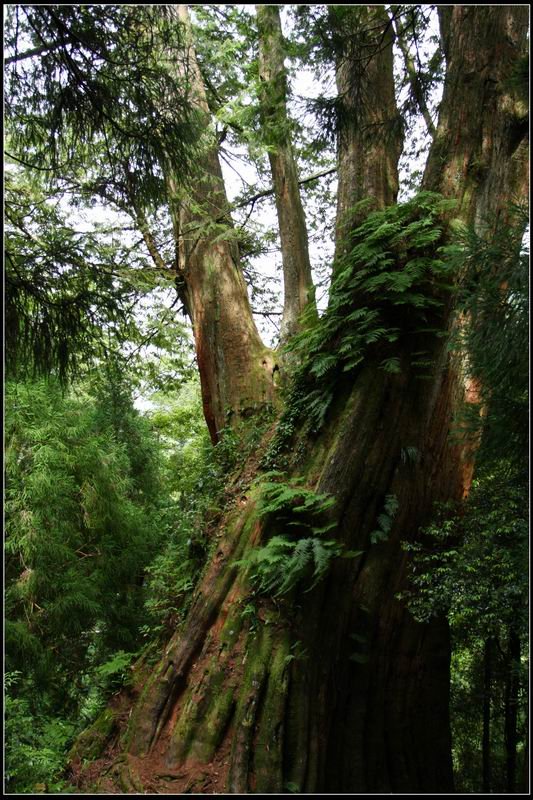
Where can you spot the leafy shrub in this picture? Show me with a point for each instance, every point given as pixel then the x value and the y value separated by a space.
pixel 36 743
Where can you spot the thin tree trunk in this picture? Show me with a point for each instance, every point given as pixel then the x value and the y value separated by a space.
pixel 487 702
pixel 511 707
pixel 297 280
pixel 524 776
pixel 412 73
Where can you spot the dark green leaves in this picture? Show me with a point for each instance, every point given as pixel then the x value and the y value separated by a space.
pixel 384 288
pixel 78 515
pixel 65 288
pixel 104 86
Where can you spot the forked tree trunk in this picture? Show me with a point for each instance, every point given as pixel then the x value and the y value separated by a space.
pixel 338 689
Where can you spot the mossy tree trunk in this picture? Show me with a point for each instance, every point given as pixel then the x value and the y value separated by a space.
pixel 339 689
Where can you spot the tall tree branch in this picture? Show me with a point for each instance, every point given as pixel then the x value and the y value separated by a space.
pixel 412 74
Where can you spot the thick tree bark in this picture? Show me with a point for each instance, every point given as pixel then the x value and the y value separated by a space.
pixel 370 135
pixel 339 689
pixel 480 152
pixel 297 280
pixel 236 369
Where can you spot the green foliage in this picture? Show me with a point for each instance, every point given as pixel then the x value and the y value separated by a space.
pixel 385 520
pixel 389 286
pixel 81 507
pixel 64 289
pixel 77 294
pixel 466 705
pixel 410 455
pixel 95 109
pixel 286 499
pixel 97 528
pixel 100 87
pixel 116 669
pixel 36 744
pixel 471 566
pixel 195 474
pixel 281 564
pixel 170 579
pixel 292 788
pixel 298 555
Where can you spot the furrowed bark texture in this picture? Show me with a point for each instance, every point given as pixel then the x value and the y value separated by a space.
pixel 339 689
pixel 297 280
pixel 370 135
pixel 480 152
pixel 236 369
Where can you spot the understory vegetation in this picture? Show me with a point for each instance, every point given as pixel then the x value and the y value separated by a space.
pixel 103 548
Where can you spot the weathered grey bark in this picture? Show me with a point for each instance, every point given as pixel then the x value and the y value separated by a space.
pixel 297 280
pixel 283 704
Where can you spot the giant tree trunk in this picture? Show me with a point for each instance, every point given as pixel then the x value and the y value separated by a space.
pixel 338 689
